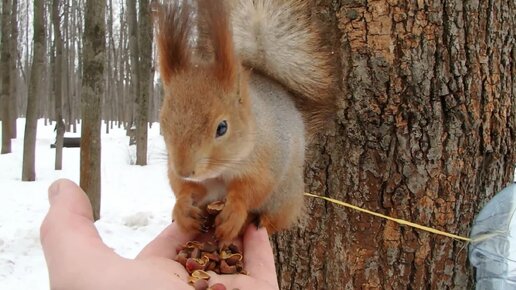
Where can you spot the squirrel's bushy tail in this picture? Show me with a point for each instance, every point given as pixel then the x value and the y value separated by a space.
pixel 278 38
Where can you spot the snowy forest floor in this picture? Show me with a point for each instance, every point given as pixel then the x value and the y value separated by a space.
pixel 136 200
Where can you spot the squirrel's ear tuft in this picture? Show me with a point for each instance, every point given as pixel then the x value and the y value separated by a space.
pixel 218 29
pixel 174 24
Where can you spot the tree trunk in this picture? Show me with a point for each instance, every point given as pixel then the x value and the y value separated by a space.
pixel 145 53
pixel 5 96
pixel 66 104
pixel 115 85
pixel 31 122
pixel 58 68
pixel 27 58
pixel 72 72
pixel 146 78
pixel 108 93
pixel 121 71
pixel 49 77
pixel 139 41
pixel 425 131
pixel 13 110
pixel 94 53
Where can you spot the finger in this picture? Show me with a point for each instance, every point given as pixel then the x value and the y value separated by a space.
pixel 258 256
pixel 65 194
pixel 167 243
pixel 240 281
pixel 68 232
pixel 69 207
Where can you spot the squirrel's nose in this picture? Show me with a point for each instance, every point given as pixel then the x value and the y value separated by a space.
pixel 186 173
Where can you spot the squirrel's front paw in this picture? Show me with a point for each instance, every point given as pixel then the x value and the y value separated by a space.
pixel 229 222
pixel 189 217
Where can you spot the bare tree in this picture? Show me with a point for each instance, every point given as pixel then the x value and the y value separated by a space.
pixel 27 58
pixel 13 109
pixel 94 51
pixel 5 96
pixel 67 67
pixel 139 42
pixel 114 78
pixel 145 61
pixel 58 76
pixel 73 52
pixel 29 142
pixel 123 80
pixel 132 64
pixel 47 107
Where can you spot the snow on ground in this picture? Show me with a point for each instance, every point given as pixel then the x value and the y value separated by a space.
pixel 136 201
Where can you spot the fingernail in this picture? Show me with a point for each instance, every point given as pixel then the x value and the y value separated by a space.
pixel 53 190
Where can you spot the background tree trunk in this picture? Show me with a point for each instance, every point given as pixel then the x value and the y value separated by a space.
pixel 13 109
pixel 138 43
pixel 58 75
pixel 5 94
pixel 38 63
pixel 145 54
pixel 92 89
pixel 425 132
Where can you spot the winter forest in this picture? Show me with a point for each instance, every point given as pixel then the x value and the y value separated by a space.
pixel 54 65
pixel 65 60
pixel 424 130
pixel 50 86
pixel 61 30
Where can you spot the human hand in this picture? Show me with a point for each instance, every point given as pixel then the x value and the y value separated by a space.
pixel 258 261
pixel 78 259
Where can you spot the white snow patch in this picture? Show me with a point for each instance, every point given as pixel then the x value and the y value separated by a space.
pixel 138 220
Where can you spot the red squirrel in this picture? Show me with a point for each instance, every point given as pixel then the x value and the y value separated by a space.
pixel 236 124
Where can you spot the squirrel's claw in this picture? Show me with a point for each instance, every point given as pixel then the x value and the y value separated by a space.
pixel 229 222
pixel 188 217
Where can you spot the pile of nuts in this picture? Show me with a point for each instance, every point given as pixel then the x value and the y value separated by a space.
pixel 199 257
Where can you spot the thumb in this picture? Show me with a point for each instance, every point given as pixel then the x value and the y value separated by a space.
pixel 64 194
pixel 259 258
pixel 68 227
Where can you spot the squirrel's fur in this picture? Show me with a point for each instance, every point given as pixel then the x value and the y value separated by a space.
pixel 278 38
pixel 233 124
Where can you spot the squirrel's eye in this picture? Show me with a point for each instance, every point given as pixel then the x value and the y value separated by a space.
pixel 222 128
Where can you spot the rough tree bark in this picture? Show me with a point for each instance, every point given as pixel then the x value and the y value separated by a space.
pixel 426 131
pixel 58 77
pixel 94 53
pixel 5 96
pixel 31 122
